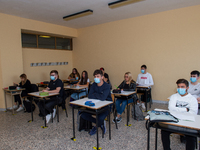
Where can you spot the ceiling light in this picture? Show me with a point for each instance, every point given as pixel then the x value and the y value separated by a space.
pixel 122 3
pixel 77 15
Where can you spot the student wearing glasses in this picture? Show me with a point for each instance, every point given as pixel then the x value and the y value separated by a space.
pixel 128 84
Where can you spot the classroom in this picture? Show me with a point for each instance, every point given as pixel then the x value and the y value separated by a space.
pixel 165 38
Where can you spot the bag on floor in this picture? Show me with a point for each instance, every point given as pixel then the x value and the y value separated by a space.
pixel 27 106
pixel 138 115
pixel 83 124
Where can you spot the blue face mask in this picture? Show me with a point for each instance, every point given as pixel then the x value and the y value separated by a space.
pixel 181 91
pixel 193 79
pixel 142 71
pixel 97 80
pixel 76 78
pixel 52 77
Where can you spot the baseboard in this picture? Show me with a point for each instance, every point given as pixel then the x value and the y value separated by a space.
pixel 161 102
pixel 2 109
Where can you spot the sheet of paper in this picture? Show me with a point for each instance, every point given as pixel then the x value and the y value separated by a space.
pixel 157 109
pixel 183 116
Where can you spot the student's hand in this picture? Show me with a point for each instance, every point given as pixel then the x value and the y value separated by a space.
pixel 121 89
pixel 198 99
pixel 44 90
pixel 187 109
pixel 15 84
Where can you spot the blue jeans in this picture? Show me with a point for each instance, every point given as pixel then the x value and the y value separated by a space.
pixel 77 96
pixel 123 102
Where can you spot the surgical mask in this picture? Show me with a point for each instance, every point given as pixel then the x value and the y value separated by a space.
pixel 142 71
pixel 193 79
pixel 181 91
pixel 76 78
pixel 52 77
pixel 97 80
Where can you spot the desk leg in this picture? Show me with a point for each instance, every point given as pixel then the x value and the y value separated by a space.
pixel 109 123
pixel 57 112
pixel 146 99
pixel 73 138
pixel 5 100
pixel 148 136
pixel 156 139
pixel 12 97
pixel 31 111
pixel 114 113
pixel 97 131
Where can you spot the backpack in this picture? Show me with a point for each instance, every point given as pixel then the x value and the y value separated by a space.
pixel 82 123
pixel 138 115
pixel 27 106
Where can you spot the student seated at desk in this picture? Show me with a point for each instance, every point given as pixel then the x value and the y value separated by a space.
pixel 25 83
pixel 74 75
pixel 144 78
pixel 181 102
pixel 107 80
pixel 55 86
pixel 127 85
pixel 99 90
pixel 194 85
pixel 84 81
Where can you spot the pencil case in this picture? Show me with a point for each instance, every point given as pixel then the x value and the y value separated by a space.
pixel 89 103
pixel 43 93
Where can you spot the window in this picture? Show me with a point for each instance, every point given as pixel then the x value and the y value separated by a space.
pixel 29 40
pixel 46 42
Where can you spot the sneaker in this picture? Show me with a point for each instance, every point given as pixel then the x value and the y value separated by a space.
pixel 117 119
pixel 103 127
pixel 48 117
pixel 20 109
pixel 54 113
pixel 14 107
pixel 93 131
pixel 143 106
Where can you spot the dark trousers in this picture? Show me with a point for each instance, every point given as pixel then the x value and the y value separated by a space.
pixel 142 90
pixel 165 136
pixel 18 99
pixel 49 105
pixel 101 117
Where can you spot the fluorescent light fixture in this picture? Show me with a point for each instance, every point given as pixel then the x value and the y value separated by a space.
pixel 77 15
pixel 120 3
pixel 44 36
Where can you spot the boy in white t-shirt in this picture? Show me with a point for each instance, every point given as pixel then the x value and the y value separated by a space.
pixel 181 102
pixel 194 85
pixel 144 78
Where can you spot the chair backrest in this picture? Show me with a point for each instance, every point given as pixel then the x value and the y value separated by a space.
pixel 34 88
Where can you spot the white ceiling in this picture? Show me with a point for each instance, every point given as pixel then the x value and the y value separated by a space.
pixel 53 11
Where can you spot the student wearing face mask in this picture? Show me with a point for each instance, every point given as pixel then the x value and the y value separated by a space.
pixel 74 75
pixel 144 78
pixel 181 102
pixel 194 85
pixel 99 90
pixel 55 86
pixel 127 85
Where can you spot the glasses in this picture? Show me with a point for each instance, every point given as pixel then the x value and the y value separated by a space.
pixel 125 76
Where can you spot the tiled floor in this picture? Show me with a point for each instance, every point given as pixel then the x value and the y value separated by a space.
pixel 17 133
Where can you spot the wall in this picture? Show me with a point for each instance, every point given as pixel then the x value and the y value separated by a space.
pixel 167 42
pixel 41 73
pixel 15 61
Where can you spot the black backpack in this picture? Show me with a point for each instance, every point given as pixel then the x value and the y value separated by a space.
pixel 27 106
pixel 82 123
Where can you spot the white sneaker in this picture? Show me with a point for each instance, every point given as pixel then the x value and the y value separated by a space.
pixel 20 109
pixel 48 118
pixel 14 107
pixel 143 106
pixel 54 113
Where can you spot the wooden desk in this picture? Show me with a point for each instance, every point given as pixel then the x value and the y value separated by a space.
pixel 12 93
pixel 77 89
pixel 126 94
pixel 146 89
pixel 36 94
pixel 69 80
pixel 98 105
pixel 182 123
